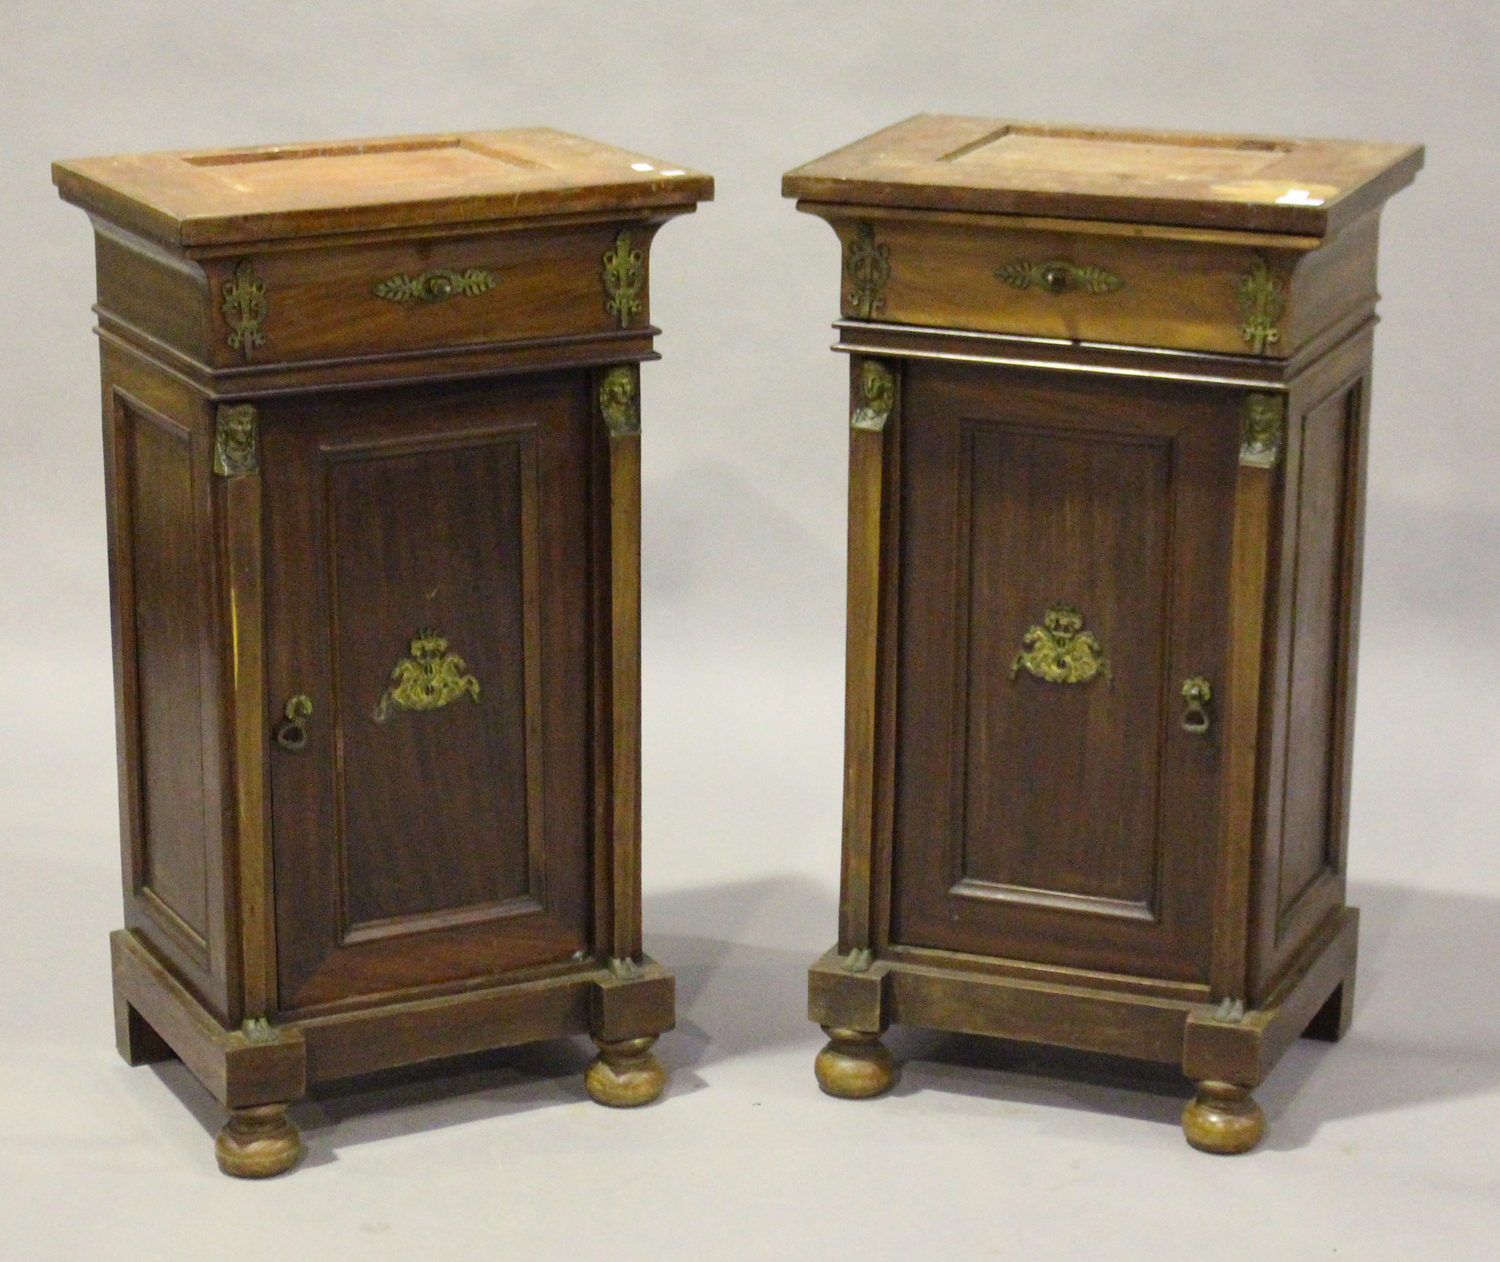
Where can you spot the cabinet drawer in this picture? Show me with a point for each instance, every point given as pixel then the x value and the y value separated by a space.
pixel 305 302
pixel 384 298
pixel 1134 285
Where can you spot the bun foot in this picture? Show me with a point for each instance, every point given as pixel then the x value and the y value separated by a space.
pixel 1223 1118
pixel 626 1074
pixel 257 1143
pixel 855 1065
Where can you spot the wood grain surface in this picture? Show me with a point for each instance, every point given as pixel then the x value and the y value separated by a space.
pixel 949 162
pixel 274 192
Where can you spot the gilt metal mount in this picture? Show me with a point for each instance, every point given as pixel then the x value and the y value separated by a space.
pixel 624 274
pixel 1261 304
pixel 1262 430
pixel 619 400
pixel 1059 276
pixel 1060 651
pixel 245 309
pixel 437 285
pixel 867 267
pixel 877 396
pixel 429 679
pixel 236 449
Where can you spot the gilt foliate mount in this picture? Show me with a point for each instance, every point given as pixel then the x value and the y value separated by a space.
pixel 245 309
pixel 437 285
pixel 1060 651
pixel 1261 303
pixel 623 275
pixel 1059 276
pixel 867 268
pixel 429 679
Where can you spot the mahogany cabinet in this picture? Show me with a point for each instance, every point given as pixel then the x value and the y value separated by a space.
pixel 1110 392
pixel 371 426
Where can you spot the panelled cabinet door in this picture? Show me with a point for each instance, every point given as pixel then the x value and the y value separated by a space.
pixel 1063 576
pixel 428 629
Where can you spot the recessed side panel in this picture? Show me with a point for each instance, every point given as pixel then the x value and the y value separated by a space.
pixel 166 564
pixel 1307 843
pixel 1061 782
pixel 1064 569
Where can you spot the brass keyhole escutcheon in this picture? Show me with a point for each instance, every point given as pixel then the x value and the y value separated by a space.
pixel 291 732
pixel 1196 694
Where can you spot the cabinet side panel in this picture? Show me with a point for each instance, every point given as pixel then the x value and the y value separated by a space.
pixel 1307 842
pixel 152 290
pixel 169 620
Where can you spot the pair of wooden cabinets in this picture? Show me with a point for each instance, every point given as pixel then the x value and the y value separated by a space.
pixel 372 435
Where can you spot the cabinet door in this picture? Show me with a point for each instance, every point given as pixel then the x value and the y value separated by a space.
pixel 1063 569
pixel 428 595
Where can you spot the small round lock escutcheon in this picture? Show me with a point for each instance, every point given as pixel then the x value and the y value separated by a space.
pixel 1196 694
pixel 291 731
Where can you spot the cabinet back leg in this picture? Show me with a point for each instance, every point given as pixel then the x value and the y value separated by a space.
pixel 137 1042
pixel 1332 1020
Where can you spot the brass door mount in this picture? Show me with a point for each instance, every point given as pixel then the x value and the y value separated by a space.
pixel 291 731
pixel 1196 694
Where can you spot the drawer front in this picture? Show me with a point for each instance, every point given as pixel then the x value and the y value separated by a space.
pixel 1078 285
pixel 313 304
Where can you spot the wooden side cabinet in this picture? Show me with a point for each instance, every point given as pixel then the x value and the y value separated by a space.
pixel 371 427
pixel 1110 392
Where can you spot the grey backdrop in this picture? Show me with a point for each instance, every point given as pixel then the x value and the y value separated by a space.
pixel 744 451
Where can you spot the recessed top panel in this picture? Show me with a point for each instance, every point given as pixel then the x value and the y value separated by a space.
pixel 1256 183
pixel 226 196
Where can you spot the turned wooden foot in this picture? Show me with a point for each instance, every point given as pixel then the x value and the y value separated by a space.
pixel 257 1143
pixel 625 1074
pixel 855 1065
pixel 1223 1118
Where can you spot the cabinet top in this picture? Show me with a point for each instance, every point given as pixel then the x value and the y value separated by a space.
pixel 210 197
pixel 997 166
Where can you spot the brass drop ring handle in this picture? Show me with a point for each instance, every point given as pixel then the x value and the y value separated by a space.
pixel 1196 693
pixel 291 732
